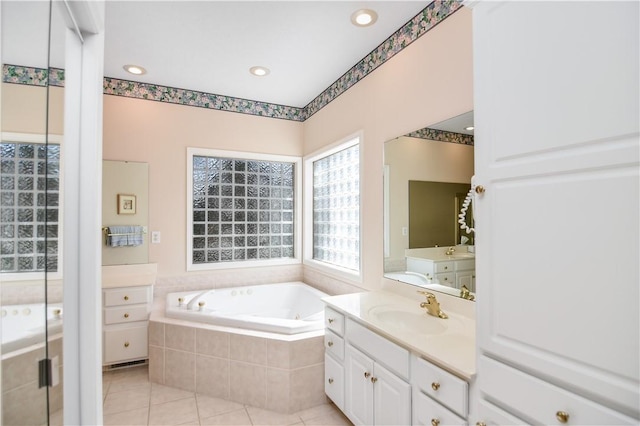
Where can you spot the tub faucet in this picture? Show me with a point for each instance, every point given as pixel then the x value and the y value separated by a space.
pixel 450 251
pixel 432 305
pixel 465 293
pixel 195 299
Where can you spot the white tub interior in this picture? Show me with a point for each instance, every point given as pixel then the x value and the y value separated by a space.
pixel 287 308
pixel 24 325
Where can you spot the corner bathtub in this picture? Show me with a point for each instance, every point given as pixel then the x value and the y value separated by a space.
pixel 287 308
pixel 23 325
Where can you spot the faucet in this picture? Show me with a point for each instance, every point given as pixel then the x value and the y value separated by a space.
pixel 432 305
pixel 450 251
pixel 195 300
pixel 465 293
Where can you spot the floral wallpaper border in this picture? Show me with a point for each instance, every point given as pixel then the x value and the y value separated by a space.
pixel 441 136
pixel 428 18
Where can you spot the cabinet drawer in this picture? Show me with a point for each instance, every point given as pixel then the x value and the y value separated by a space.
pixel 441 385
pixel 464 265
pixel 392 356
pixel 442 267
pixel 446 279
pixel 427 412
pixel 125 314
pixel 334 344
pixel 491 415
pixel 125 344
pixel 126 296
pixel 539 401
pixel 334 381
pixel 334 321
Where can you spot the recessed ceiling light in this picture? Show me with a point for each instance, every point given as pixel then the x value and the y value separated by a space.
pixel 364 17
pixel 259 71
pixel 469 128
pixel 134 69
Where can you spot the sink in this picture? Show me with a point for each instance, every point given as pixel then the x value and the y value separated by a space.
pixel 402 320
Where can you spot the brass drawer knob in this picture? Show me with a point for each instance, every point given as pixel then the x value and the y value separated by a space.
pixel 126 315
pixel 126 344
pixel 374 379
pixel 562 416
pixel 330 320
pixel 330 380
pixel 435 386
pixel 126 298
pixel 366 374
pixel 435 422
pixel 329 343
pixel 446 267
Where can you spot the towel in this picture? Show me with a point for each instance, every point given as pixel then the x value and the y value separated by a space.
pixel 125 236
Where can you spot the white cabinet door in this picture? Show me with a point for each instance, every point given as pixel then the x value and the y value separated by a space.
pixel 392 398
pixel 556 147
pixel 359 389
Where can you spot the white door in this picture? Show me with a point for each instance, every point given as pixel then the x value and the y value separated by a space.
pixel 557 148
pixel 359 388
pixel 391 398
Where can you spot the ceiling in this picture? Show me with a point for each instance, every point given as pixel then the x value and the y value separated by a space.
pixel 209 46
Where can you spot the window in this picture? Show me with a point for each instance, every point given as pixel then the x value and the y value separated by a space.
pixel 242 209
pixel 333 180
pixel 29 206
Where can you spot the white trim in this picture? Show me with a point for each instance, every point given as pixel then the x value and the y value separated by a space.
pixel 39 138
pixel 327 268
pixel 386 210
pixel 297 219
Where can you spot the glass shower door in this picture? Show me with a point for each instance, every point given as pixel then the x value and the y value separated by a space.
pixel 30 258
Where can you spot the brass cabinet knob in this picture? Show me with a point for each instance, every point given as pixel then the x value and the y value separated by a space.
pixel 446 267
pixel 126 344
pixel 330 380
pixel 435 386
pixel 126 298
pixel 329 343
pixel 481 424
pixel 446 279
pixel 562 416
pixel 435 422
pixel 480 189
pixel 366 374
pixel 330 320
pixel 374 379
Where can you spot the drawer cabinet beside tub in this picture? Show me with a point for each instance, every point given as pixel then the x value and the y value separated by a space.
pixel 125 323
pixel 375 381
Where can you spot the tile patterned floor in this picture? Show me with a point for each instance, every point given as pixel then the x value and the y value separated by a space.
pixel 130 399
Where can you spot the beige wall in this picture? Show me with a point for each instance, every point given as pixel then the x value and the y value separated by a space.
pixel 159 133
pixel 24 109
pixel 429 81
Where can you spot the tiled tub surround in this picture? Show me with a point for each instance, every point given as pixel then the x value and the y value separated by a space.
pixel 282 373
pixel 22 401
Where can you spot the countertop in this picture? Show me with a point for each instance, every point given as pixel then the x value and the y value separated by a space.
pixel 454 349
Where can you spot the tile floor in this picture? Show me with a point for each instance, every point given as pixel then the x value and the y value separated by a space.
pixel 130 399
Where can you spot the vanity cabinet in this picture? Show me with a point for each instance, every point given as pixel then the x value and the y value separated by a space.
pixel 334 357
pixel 376 378
pixel 450 272
pixel 558 344
pixel 125 323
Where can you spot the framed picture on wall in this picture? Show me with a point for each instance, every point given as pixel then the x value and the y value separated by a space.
pixel 126 204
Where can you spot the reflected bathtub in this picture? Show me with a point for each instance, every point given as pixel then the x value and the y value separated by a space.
pixel 286 308
pixel 23 325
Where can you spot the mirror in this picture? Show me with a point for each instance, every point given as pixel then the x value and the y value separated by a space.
pixel 125 212
pixel 427 178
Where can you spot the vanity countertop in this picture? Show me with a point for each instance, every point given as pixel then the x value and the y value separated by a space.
pixel 449 343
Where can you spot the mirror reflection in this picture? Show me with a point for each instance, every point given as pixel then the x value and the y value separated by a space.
pixel 427 178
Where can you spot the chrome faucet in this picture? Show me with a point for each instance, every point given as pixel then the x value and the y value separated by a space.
pixel 450 251
pixel 432 305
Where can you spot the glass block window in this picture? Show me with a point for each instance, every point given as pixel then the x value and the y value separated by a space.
pixel 242 210
pixel 336 208
pixel 29 207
